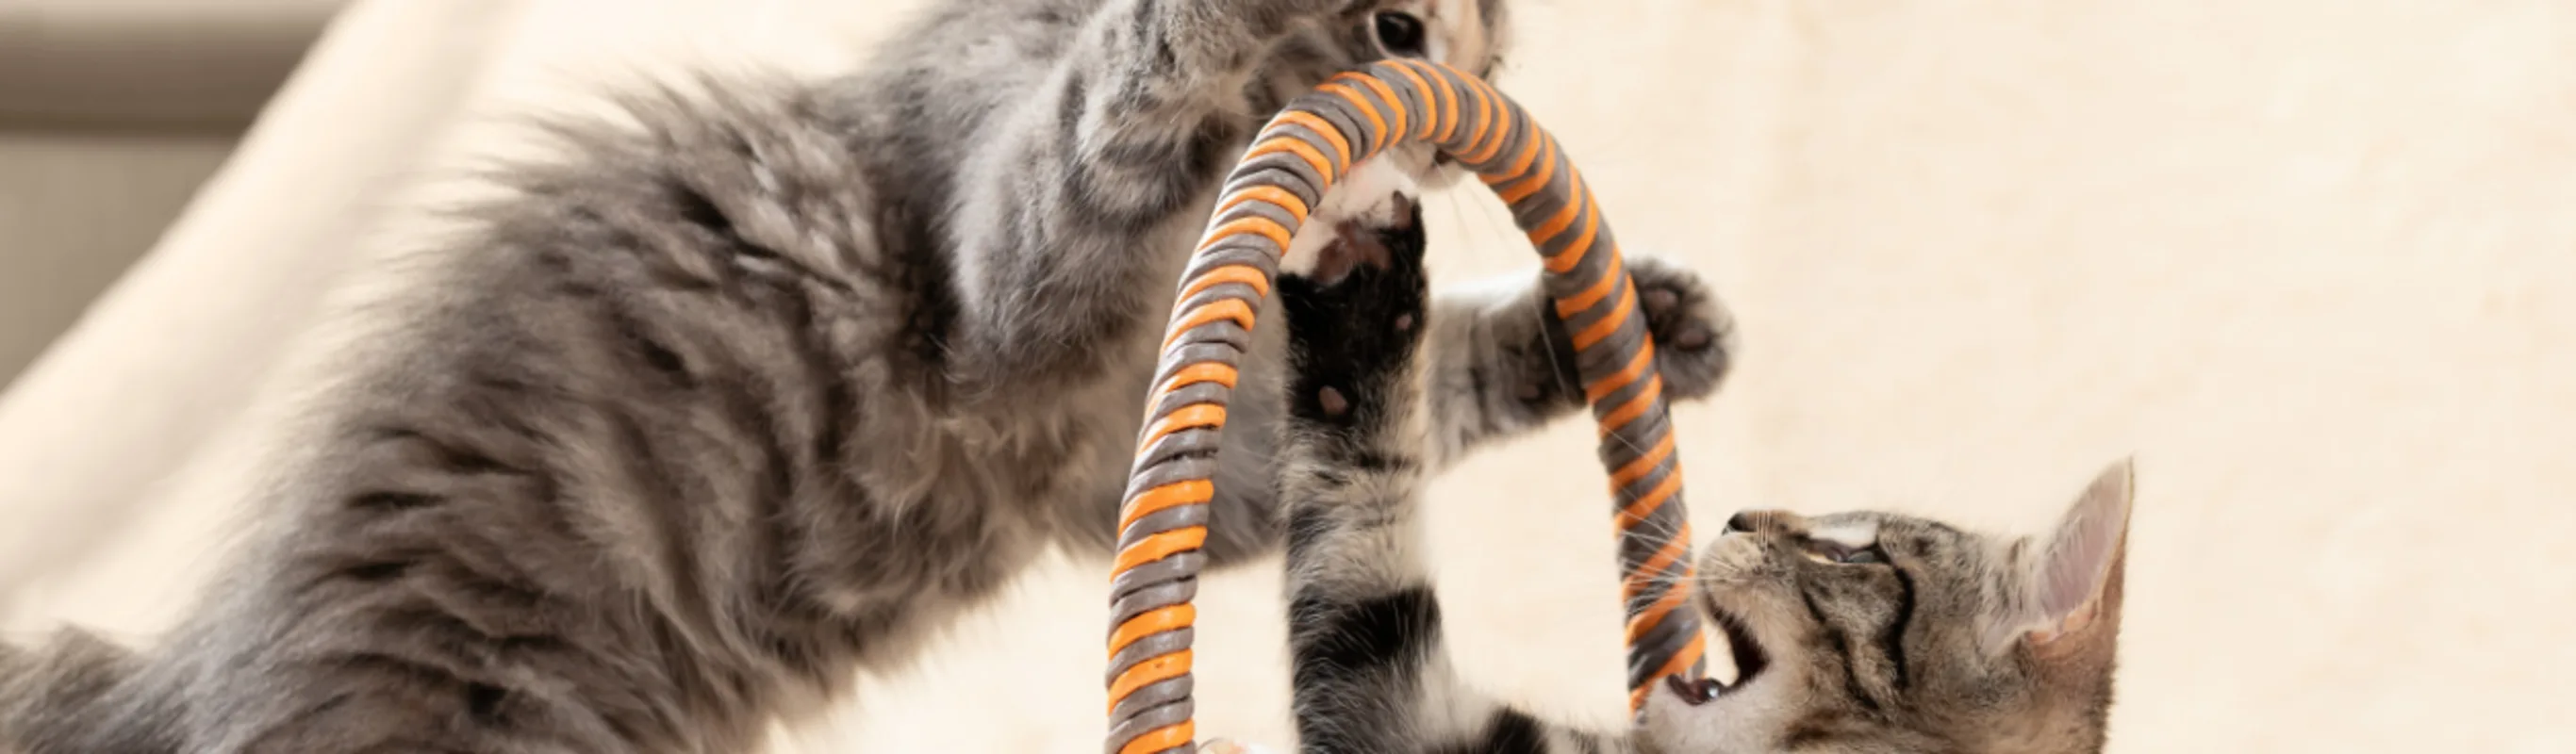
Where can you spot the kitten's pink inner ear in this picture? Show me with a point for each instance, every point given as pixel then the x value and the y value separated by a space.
pixel 2071 578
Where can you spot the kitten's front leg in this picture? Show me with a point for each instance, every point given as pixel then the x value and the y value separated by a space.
pixel 1502 363
pixel 1067 227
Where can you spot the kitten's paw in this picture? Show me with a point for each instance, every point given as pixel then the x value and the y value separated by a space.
pixel 1377 194
pixel 1355 316
pixel 1695 337
pixel 1370 260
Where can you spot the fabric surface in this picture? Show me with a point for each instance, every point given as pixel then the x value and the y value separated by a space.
pixel 102 428
pixel 2299 257
pixel 149 64
pixel 76 209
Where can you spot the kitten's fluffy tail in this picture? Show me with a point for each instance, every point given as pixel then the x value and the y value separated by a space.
pixel 56 698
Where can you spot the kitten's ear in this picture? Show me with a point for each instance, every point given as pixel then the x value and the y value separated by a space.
pixel 2073 578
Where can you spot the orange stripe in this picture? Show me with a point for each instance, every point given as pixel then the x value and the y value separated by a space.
pixel 1268 228
pixel 1289 143
pixel 1387 93
pixel 1232 273
pixel 1232 308
pixel 1448 106
pixel 1618 316
pixel 1430 108
pixel 1635 407
pixel 1277 196
pixel 1160 546
pixel 1317 124
pixel 1222 374
pixel 1638 580
pixel 1166 738
pixel 1147 673
pixel 1521 163
pixel 1576 201
pixel 1573 255
pixel 1484 118
pixel 1654 614
pixel 1502 135
pixel 1644 464
pixel 1360 102
pixel 1503 126
pixel 1637 512
pixel 1166 497
pixel 1192 416
pixel 1619 380
pixel 1690 653
pixel 1193 374
pixel 1546 171
pixel 1151 622
pixel 1580 302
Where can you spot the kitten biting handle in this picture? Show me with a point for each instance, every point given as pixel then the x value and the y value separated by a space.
pixel 1292 164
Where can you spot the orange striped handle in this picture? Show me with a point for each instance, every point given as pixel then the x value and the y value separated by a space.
pixel 1291 164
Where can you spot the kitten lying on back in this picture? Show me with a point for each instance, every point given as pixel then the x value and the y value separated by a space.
pixel 1855 632
pixel 725 404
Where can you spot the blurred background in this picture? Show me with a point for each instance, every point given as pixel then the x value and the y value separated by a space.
pixel 2308 260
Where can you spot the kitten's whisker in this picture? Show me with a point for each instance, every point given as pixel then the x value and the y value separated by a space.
pixel 1659 527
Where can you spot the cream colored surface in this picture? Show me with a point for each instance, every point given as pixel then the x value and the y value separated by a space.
pixel 75 210
pixel 149 64
pixel 2309 261
pixel 112 114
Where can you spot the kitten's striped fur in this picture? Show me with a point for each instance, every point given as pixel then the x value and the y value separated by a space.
pixel 1854 633
pixel 737 396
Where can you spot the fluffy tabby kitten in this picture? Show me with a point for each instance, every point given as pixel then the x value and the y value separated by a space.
pixel 759 388
pixel 1856 632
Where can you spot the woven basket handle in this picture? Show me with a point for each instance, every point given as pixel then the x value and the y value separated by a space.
pixel 1292 163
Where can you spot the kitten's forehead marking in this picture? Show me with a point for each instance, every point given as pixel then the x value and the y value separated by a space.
pixel 1854 533
pixel 1458 35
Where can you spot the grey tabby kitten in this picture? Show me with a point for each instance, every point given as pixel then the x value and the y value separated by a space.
pixel 762 387
pixel 1855 632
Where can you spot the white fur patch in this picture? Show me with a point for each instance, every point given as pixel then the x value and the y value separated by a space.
pixel 1366 195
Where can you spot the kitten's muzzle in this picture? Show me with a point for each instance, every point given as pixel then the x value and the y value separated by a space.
pixel 1733 571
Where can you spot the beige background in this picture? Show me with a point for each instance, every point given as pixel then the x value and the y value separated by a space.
pixel 2308 260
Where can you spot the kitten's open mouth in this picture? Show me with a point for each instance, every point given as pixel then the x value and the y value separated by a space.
pixel 1740 646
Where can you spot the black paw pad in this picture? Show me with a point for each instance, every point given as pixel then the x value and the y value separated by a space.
pixel 1669 316
pixel 1357 244
pixel 1356 321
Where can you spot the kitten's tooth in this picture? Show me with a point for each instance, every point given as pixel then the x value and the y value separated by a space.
pixel 1721 656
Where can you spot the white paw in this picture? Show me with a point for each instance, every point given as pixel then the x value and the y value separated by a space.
pixel 1373 195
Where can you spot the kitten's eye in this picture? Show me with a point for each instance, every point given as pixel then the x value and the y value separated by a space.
pixel 1860 556
pixel 1827 552
pixel 1400 33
